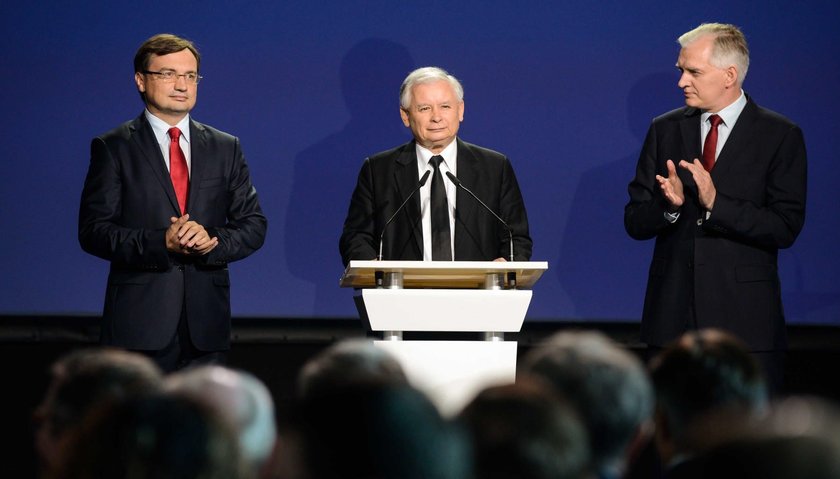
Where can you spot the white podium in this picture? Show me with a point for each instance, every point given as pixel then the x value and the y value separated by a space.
pixel 485 297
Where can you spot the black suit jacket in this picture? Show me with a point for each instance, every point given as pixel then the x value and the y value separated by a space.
pixel 388 178
pixel 126 204
pixel 720 272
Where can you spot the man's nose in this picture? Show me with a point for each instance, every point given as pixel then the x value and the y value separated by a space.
pixel 181 82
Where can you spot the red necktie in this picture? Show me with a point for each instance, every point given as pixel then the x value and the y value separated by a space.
pixel 178 169
pixel 710 145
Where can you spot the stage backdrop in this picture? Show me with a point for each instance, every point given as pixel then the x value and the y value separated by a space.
pixel 311 90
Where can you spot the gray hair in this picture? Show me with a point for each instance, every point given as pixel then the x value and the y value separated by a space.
pixel 730 46
pixel 608 385
pixel 240 398
pixel 427 75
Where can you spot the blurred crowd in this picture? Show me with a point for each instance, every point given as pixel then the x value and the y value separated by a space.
pixel 582 407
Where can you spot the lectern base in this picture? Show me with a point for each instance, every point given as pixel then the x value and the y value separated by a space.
pixel 451 373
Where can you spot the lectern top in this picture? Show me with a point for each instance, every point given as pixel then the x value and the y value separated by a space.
pixel 441 274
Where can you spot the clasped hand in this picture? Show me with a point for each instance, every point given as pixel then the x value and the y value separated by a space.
pixel 188 237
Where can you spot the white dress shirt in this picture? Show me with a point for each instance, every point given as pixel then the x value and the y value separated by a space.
pixel 450 164
pixel 729 115
pixel 161 130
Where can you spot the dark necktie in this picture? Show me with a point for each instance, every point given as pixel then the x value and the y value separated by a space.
pixel 178 169
pixel 441 243
pixel 710 145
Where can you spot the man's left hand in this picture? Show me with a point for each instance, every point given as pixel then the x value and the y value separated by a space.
pixel 706 191
pixel 194 239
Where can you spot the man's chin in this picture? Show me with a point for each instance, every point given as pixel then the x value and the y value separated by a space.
pixel 692 102
pixel 179 109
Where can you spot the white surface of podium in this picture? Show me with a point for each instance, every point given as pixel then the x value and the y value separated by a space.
pixel 456 296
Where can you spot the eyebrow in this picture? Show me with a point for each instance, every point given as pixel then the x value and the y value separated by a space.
pixel 170 69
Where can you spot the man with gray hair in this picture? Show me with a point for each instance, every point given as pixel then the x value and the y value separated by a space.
pixel 241 400
pixel 607 385
pixel 720 184
pixel 438 221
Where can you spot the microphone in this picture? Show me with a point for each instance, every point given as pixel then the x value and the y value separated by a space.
pixel 416 189
pixel 458 184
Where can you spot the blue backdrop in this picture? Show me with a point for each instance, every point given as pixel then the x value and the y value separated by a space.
pixel 311 89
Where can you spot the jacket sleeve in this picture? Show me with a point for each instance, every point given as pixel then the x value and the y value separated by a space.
pixel 245 229
pixel 358 238
pixel 101 232
pixel 777 222
pixel 644 214
pixel 514 214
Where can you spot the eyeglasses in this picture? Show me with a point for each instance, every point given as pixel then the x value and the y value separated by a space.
pixel 169 76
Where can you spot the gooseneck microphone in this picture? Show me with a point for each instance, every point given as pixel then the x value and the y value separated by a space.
pixel 416 189
pixel 458 184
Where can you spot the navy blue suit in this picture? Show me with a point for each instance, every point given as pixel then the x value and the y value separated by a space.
pixel 720 272
pixel 126 204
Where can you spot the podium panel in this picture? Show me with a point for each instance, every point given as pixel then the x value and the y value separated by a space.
pixel 445 310
pixel 451 373
pixel 447 296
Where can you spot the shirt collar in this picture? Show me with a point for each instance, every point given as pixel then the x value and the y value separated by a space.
pixel 161 128
pixel 449 154
pixel 730 114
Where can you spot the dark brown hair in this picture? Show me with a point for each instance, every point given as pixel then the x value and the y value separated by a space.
pixel 163 44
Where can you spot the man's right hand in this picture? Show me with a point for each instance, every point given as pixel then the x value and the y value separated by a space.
pixel 188 237
pixel 672 187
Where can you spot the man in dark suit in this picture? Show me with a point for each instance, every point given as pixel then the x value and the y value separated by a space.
pixel 169 202
pixel 432 106
pixel 718 223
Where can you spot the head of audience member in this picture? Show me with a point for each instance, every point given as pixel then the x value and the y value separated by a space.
pixel 152 437
pixel 609 388
pixel 708 388
pixel 348 362
pixel 378 431
pixel 796 438
pixel 525 431
pixel 432 106
pixel 713 62
pixel 80 382
pixel 240 399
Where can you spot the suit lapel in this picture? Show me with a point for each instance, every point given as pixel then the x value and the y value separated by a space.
pixel 469 173
pixel 199 155
pixel 144 138
pixel 690 136
pixel 406 179
pixel 739 138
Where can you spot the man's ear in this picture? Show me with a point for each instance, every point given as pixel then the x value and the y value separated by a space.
pixel 731 76
pixel 140 81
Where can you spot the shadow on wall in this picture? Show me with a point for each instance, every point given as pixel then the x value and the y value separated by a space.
pixel 604 270
pixel 371 74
